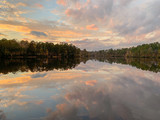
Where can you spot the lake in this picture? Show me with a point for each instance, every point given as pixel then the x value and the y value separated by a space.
pixel 112 89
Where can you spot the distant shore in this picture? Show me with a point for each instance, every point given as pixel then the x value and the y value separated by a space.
pixel 25 49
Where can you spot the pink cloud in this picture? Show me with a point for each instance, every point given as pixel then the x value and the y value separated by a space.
pixel 39 5
pixel 91 82
pixel 74 13
pixel 62 2
pixel 92 27
pixel 68 12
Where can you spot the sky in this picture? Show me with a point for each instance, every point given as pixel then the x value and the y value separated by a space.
pixel 88 24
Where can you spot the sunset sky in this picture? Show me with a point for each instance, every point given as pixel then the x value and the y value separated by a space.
pixel 90 24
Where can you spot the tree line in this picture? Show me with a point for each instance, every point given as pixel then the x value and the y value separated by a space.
pixel 13 48
pixel 25 49
pixel 151 50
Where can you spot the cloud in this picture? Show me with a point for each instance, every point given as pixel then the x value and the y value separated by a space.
pixel 92 44
pixel 48 30
pixel 38 34
pixel 92 12
pixel 67 34
pixel 91 82
pixel 39 102
pixel 135 24
pixel 1 34
pixel 16 28
pixel 62 2
pixel 39 5
pixel 64 112
pixel 111 99
pixel 120 17
pixel 92 27
pixel 95 44
pixel 76 20
pixel 38 75
pixel 10 11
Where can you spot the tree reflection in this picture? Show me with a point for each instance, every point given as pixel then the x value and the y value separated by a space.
pixel 36 65
pixel 140 63
pixel 39 65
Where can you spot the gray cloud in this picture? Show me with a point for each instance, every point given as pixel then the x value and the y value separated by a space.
pixel 38 34
pixel 90 44
pixel 38 75
pixel 138 20
pixel 129 17
pixel 96 44
pixel 100 11
pixel 85 15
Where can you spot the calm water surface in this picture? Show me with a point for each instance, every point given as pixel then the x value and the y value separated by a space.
pixel 89 91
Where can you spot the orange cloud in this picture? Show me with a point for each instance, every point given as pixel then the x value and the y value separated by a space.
pixel 67 34
pixel 81 28
pixel 109 32
pixel 21 4
pixel 91 82
pixel 67 40
pixel 92 27
pixel 64 76
pixel 27 80
pixel 15 28
pixel 62 2
pixel 12 81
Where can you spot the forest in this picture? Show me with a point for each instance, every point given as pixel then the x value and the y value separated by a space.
pixel 25 49
pixel 151 50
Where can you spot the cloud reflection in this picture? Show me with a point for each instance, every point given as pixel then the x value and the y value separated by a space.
pixel 2 115
pixel 91 91
pixel 121 98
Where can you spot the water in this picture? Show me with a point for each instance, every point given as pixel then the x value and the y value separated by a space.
pixel 74 90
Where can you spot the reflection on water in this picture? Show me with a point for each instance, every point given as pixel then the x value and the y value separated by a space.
pixel 24 65
pixel 39 65
pixel 2 115
pixel 91 91
pixel 140 63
